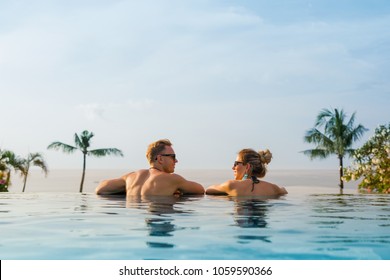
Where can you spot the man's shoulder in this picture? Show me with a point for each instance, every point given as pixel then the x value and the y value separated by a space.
pixel 173 176
pixel 136 173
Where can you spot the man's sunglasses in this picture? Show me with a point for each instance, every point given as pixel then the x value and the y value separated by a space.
pixel 237 163
pixel 173 156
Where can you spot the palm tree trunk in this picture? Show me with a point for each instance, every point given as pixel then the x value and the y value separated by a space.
pixel 24 182
pixel 341 173
pixel 25 179
pixel 82 176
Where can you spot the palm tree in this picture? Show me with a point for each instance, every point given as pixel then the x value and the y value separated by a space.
pixel 35 159
pixel 337 137
pixel 82 143
pixel 9 160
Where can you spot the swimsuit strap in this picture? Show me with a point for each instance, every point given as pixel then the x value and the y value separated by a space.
pixel 254 181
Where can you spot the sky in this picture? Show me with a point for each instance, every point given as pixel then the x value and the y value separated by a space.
pixel 212 76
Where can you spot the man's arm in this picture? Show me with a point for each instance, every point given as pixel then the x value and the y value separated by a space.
pixel 112 186
pixel 189 187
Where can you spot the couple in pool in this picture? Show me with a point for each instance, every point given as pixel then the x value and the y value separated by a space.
pixel 159 179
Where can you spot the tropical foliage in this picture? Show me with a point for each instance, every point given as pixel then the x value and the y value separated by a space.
pixel 333 135
pixel 8 161
pixel 33 159
pixel 372 163
pixel 83 143
pixel 4 181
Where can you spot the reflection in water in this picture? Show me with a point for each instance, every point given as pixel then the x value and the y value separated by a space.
pixel 113 203
pixel 332 214
pixel 161 223
pixel 82 207
pixel 251 213
pixel 349 207
pixel 160 226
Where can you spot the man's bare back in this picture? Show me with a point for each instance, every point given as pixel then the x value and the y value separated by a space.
pixel 155 182
pixel 159 179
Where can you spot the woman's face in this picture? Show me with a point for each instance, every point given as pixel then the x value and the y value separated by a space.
pixel 239 168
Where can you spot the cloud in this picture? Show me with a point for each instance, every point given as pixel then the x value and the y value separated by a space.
pixel 142 104
pixel 92 111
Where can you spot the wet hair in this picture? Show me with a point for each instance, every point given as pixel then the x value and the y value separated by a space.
pixel 156 148
pixel 258 161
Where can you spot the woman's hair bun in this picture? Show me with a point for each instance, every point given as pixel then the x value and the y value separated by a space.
pixel 265 156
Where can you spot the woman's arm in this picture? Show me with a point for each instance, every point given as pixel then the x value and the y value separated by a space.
pixel 283 190
pixel 222 189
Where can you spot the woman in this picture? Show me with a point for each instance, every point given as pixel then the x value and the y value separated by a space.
pixel 248 168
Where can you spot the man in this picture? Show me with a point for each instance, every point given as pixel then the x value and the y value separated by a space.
pixel 157 180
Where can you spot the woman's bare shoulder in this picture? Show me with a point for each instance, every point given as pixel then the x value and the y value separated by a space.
pixel 276 188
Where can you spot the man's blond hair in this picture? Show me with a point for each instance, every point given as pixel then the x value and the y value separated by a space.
pixel 156 148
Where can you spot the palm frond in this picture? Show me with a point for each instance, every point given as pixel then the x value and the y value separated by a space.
pixel 78 142
pixel 316 153
pixel 37 159
pixel 62 146
pixel 351 120
pixel 105 152
pixel 86 137
pixel 322 117
pixel 357 132
pixel 83 141
pixel 349 152
pixel 23 169
pixel 41 164
pixel 317 137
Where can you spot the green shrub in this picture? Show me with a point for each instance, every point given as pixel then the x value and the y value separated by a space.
pixel 372 163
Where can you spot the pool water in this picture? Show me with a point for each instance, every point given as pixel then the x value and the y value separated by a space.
pixel 296 226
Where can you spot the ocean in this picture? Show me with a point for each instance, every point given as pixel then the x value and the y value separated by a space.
pixel 68 180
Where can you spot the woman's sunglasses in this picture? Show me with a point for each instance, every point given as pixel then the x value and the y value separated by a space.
pixel 237 163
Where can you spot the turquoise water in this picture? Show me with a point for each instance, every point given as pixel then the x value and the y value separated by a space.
pixel 296 226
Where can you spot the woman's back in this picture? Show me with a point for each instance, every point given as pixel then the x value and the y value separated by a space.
pixel 248 188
